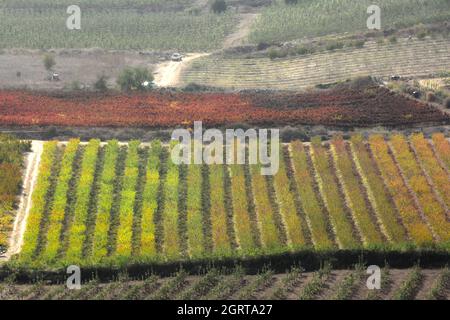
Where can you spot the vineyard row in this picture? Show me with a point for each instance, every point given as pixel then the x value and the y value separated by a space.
pixel 96 204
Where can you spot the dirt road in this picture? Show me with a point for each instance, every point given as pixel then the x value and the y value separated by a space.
pixel 29 181
pixel 167 74
pixel 238 37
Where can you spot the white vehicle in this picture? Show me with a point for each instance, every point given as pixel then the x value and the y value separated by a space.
pixel 176 57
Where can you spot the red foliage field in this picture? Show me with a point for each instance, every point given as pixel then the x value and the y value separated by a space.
pixel 367 107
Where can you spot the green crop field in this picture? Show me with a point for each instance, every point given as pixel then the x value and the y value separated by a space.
pixel 105 4
pixel 310 18
pixel 98 204
pixel 115 28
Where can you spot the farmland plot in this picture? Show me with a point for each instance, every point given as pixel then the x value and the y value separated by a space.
pixel 116 28
pixel 282 22
pixel 300 72
pixel 11 166
pixel 409 284
pixel 101 204
pixel 367 106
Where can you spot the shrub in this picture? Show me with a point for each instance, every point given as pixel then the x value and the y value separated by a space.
pixel 195 87
pixel 304 50
pixel 334 45
pixel 49 62
pixel 447 103
pixel 441 94
pixel 359 43
pixel 361 82
pixel 219 6
pixel 101 84
pixel 289 134
pixel 291 51
pixel 134 78
pixel 75 85
pixel 278 53
pixel 431 97
pixel 262 46
pixel 422 34
pixel 288 2
pixel 393 39
pixel 283 53
pixel 273 53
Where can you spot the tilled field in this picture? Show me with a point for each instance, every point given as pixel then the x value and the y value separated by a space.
pixel 325 284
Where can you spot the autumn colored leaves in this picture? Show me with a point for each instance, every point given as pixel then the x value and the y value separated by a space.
pixel 116 203
pixel 370 106
pixel 11 167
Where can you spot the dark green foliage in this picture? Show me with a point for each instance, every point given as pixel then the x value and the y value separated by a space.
pixel 219 6
pixel 134 78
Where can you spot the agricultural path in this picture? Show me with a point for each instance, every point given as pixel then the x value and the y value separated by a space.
pixel 29 181
pixel 238 37
pixel 167 74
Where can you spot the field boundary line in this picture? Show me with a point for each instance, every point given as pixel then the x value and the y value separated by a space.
pixel 427 176
pixel 228 203
pixel 413 195
pixel 399 216
pixel 300 199
pixel 278 214
pixel 369 193
pixel 438 157
pixel 48 208
pixel 31 172
pixel 290 173
pixel 321 194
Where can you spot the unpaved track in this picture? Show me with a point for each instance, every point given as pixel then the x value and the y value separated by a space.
pixel 29 181
pixel 167 74
pixel 238 37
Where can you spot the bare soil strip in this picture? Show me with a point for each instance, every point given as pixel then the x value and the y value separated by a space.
pixel 29 181
pixel 240 35
pixel 167 74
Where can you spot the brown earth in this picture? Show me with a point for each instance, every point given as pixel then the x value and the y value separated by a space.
pixel 117 290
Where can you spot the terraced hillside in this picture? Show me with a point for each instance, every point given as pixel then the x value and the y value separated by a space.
pixel 406 58
pixel 325 283
pixel 114 203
